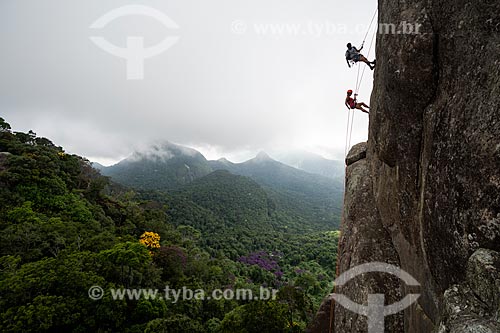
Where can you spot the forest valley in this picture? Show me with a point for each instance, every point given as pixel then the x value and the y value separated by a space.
pixel 65 228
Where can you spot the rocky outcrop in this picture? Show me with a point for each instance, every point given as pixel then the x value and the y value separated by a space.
pixel 432 177
pixel 323 321
pixel 474 305
pixel 357 152
pixel 363 240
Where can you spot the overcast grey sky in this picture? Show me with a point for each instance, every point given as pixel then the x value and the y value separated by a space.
pixel 229 87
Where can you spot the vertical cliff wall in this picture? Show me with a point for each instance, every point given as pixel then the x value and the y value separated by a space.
pixel 434 142
pixel 431 176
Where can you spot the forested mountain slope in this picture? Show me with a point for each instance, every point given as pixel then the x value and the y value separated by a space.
pixel 312 198
pixel 65 228
pixel 162 166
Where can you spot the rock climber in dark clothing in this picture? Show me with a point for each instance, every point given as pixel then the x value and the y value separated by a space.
pixel 352 54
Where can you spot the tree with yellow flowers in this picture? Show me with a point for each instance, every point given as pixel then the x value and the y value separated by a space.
pixel 151 240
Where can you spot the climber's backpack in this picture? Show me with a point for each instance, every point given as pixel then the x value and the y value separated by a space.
pixel 348 55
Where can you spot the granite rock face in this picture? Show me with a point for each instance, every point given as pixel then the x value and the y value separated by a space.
pixel 357 152
pixel 431 176
pixel 474 305
pixel 363 240
pixel 434 142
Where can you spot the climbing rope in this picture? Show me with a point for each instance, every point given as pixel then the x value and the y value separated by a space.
pixel 370 26
pixel 350 121
pixel 350 131
pixel 364 68
pixel 358 86
pixel 347 131
pixel 359 81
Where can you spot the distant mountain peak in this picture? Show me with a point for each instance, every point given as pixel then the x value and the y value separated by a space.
pixel 225 161
pixel 313 163
pixel 262 157
pixel 163 151
pixel 160 166
pixel 98 166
